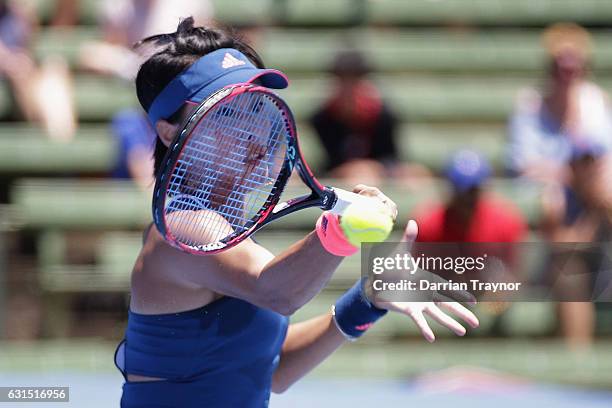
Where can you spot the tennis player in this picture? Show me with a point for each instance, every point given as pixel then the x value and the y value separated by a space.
pixel 213 331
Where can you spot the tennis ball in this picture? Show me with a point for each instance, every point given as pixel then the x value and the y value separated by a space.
pixel 362 222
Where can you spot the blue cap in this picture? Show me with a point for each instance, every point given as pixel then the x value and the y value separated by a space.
pixel 210 73
pixel 467 169
pixel 583 148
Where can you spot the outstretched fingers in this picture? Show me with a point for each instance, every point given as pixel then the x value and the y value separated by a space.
pixel 445 320
pixel 460 311
pixel 421 322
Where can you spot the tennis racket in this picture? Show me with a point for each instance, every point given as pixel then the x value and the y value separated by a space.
pixel 226 169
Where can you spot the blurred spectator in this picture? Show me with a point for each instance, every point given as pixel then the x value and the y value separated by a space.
pixel 25 318
pixel 580 211
pixel 16 64
pixel 135 139
pixel 568 109
pixel 471 214
pixel 42 94
pixel 356 127
pixel 66 13
pixel 125 22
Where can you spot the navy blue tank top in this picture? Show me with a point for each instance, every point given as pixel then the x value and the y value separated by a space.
pixel 222 354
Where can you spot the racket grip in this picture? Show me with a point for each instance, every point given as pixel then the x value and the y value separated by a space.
pixel 345 198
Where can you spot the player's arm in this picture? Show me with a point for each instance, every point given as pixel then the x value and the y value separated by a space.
pixel 282 283
pixel 306 346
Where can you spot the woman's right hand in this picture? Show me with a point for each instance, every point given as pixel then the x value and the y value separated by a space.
pixel 438 310
pixel 378 195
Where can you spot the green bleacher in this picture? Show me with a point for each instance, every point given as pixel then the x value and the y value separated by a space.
pixel 488 12
pixel 385 12
pixel 427 99
pixel 117 212
pixel 300 50
pixel 104 204
pixel 450 70
pixel 108 207
pixel 26 150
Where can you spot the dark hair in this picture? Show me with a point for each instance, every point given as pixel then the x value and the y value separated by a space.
pixel 350 62
pixel 176 52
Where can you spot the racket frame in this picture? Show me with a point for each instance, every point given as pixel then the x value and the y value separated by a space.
pixel 326 198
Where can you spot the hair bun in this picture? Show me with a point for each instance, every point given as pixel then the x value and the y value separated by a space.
pixel 185 25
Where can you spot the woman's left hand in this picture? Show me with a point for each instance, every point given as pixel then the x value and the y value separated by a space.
pixel 437 310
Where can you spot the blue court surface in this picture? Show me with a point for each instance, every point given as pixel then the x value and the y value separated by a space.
pixel 452 388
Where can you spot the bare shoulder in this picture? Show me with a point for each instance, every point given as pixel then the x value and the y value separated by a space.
pixel 179 280
pixel 157 284
pixel 161 260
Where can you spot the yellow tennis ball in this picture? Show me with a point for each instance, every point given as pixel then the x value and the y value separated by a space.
pixel 362 222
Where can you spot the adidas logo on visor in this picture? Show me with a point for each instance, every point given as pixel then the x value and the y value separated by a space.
pixel 230 61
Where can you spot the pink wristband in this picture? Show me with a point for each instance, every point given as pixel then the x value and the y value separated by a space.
pixel 332 237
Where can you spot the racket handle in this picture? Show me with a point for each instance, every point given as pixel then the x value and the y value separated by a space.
pixel 345 198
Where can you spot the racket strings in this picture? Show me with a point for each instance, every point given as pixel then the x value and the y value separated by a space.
pixel 235 133
pixel 254 179
pixel 224 141
pixel 258 196
pixel 229 165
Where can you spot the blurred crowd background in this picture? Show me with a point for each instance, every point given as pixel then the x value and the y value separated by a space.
pixel 486 121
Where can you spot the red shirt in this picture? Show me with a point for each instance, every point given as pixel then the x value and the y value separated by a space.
pixel 494 220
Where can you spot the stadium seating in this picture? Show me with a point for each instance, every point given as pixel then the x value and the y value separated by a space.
pixel 25 150
pixel 450 69
pixel 487 12
pixel 87 10
pixel 96 99
pixel 65 42
pixel 116 252
pixel 52 206
pixel 390 50
pixel 386 12
pixel 111 204
pixel 415 99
